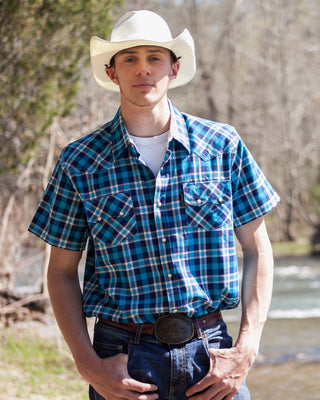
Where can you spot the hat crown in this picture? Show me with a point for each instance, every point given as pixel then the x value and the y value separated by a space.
pixel 141 25
pixel 142 28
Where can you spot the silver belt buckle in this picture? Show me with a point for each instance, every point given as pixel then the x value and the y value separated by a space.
pixel 174 329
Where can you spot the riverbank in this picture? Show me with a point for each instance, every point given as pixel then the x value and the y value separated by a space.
pixel 288 366
pixel 292 380
pixel 36 365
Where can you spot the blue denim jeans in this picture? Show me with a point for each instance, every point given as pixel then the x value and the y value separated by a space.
pixel 172 368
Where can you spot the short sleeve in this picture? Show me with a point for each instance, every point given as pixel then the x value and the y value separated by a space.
pixel 253 195
pixel 60 219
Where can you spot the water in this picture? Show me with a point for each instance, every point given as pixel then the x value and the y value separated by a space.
pixel 288 365
pixel 292 330
pixel 296 288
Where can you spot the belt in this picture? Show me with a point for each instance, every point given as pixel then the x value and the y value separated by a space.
pixel 170 328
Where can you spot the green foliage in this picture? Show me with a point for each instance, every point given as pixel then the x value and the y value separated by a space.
pixel 31 365
pixel 294 249
pixel 44 45
pixel 315 192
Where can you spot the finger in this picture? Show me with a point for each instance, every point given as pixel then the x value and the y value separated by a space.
pixel 133 384
pixel 127 394
pixel 140 387
pixel 201 386
pixel 151 396
pixel 211 394
pixel 229 397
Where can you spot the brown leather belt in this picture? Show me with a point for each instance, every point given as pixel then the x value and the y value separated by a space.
pixel 171 328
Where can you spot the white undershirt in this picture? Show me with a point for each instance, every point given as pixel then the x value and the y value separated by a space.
pixel 152 149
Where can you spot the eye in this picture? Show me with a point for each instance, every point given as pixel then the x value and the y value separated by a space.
pixel 155 58
pixel 129 60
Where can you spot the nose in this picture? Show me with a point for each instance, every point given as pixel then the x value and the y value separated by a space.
pixel 143 68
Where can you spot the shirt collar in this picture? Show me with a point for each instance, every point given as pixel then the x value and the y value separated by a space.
pixel 196 135
pixel 121 140
pixel 178 127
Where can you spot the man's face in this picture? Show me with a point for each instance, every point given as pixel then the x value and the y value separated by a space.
pixel 143 74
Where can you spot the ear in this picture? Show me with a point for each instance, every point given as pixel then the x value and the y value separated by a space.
pixel 112 75
pixel 174 70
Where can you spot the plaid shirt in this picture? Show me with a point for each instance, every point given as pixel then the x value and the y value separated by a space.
pixel 155 244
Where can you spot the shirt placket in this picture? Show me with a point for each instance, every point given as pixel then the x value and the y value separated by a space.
pixel 163 231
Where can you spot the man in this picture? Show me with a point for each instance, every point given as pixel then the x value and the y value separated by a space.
pixel 156 195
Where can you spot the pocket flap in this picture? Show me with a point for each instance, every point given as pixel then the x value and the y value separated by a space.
pixel 113 206
pixel 197 194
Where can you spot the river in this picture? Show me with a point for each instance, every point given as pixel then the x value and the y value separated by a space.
pixel 292 330
pixel 288 365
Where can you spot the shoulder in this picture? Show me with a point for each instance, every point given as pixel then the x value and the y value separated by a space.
pixel 211 136
pixel 87 152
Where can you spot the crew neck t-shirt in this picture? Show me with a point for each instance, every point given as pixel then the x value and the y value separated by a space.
pixel 152 149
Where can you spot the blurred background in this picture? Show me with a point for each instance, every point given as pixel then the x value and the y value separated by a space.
pixel 257 69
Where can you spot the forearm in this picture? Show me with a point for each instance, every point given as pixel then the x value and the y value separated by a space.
pixel 256 296
pixel 109 376
pixel 66 299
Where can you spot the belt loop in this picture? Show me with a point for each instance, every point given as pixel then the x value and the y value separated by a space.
pixel 138 334
pixel 201 334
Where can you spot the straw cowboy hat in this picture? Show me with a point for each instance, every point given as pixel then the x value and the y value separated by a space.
pixel 142 28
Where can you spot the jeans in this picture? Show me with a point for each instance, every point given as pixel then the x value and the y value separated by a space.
pixel 172 368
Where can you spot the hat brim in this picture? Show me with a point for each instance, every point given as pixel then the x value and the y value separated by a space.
pixel 101 52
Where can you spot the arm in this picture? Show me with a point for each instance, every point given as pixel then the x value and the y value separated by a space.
pixel 108 376
pixel 257 286
pixel 229 367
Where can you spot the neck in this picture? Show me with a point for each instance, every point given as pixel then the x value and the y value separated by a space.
pixel 147 121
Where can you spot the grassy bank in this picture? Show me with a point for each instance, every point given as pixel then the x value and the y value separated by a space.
pixel 32 368
pixel 289 249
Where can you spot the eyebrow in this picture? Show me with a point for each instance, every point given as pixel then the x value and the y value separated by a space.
pixel 132 51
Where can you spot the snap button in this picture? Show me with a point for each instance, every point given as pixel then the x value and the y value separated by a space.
pixel 220 200
pixel 199 201
pixel 99 219
pixel 163 240
pixel 121 213
pixel 169 276
pixel 159 204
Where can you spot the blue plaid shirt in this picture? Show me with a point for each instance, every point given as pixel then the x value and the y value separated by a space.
pixel 155 244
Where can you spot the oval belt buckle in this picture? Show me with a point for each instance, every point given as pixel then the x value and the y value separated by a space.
pixel 174 329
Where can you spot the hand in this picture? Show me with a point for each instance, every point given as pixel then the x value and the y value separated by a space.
pixel 228 370
pixel 110 378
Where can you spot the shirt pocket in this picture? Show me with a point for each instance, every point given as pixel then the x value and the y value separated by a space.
pixel 111 219
pixel 208 204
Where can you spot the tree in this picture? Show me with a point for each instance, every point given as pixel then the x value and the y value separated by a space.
pixel 257 69
pixel 43 49
pixel 288 91
pixel 44 45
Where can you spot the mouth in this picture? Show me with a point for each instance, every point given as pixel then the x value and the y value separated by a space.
pixel 143 85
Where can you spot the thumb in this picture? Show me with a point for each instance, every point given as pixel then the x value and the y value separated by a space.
pixel 207 380
pixel 132 384
pixel 202 385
